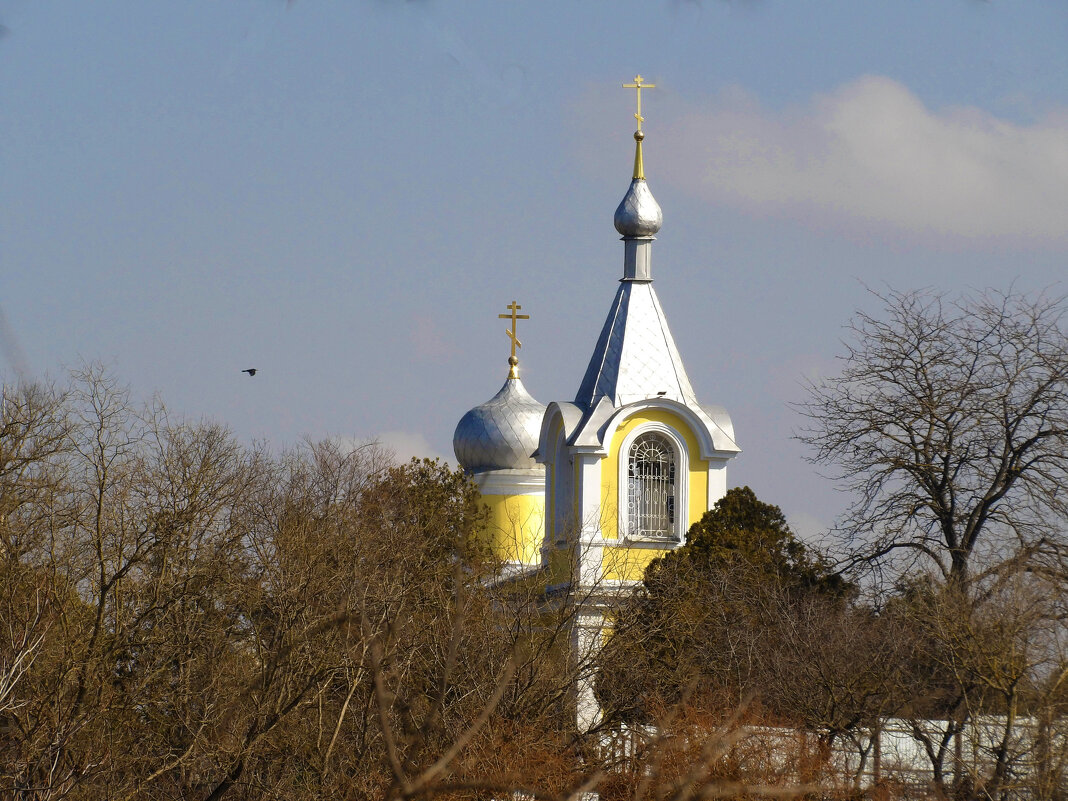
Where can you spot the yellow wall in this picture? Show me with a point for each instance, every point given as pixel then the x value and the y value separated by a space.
pixel 516 527
pixel 619 563
pixel 697 488
pixel 623 562
pixel 628 564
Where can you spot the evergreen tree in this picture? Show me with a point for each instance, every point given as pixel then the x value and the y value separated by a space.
pixel 705 610
pixel 743 533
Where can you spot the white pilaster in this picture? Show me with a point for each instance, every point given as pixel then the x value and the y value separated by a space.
pixel 590 553
pixel 586 637
pixel 717 481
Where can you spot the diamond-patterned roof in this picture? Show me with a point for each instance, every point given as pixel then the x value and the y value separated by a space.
pixel 501 433
pixel 635 357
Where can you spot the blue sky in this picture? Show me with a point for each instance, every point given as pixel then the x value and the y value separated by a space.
pixel 346 194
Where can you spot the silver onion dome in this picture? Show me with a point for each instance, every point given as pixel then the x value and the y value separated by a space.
pixel 500 434
pixel 638 214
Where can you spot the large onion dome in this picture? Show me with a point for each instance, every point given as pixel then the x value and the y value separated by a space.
pixel 502 433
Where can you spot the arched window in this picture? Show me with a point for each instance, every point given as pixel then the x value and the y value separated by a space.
pixel 651 470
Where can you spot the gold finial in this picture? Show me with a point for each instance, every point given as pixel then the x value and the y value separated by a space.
pixel 639 166
pixel 513 315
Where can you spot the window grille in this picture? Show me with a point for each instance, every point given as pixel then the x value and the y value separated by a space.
pixel 651 487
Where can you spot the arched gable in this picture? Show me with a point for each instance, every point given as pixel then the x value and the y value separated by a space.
pixel 565 416
pixel 711 440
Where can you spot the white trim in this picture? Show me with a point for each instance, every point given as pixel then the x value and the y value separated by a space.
pixel 717 481
pixel 682 484
pixel 569 415
pixel 511 482
pixel 703 428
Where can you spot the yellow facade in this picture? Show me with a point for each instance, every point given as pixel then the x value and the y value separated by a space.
pixel 622 563
pixel 697 469
pixel 516 527
pixel 628 564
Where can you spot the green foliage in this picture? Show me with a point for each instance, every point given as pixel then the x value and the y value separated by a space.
pixel 743 533
pixel 701 609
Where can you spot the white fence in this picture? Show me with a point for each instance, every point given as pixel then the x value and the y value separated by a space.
pixel 908 754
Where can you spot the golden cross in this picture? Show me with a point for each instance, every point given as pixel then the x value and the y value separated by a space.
pixel 639 86
pixel 513 308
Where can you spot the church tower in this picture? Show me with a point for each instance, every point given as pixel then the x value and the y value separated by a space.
pixel 588 492
pixel 635 459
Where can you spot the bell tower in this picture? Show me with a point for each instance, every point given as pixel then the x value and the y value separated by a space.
pixel 635 459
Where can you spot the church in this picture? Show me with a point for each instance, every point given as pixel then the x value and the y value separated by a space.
pixel 585 493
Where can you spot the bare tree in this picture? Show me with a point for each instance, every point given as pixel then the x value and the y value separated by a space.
pixel 987 680
pixel 949 423
pixel 33 433
pixel 185 616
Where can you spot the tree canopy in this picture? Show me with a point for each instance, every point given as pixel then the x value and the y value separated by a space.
pixel 743 533
pixel 184 616
pixel 703 607
pixel 949 424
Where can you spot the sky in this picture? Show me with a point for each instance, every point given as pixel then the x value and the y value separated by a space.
pixel 345 195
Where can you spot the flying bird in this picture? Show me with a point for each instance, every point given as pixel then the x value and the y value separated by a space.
pixel 251 371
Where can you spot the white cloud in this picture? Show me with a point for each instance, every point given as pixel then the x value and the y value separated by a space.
pixel 399 447
pixel 871 151
pixel 407 445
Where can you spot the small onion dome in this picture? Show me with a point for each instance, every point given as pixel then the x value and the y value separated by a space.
pixel 500 434
pixel 638 214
